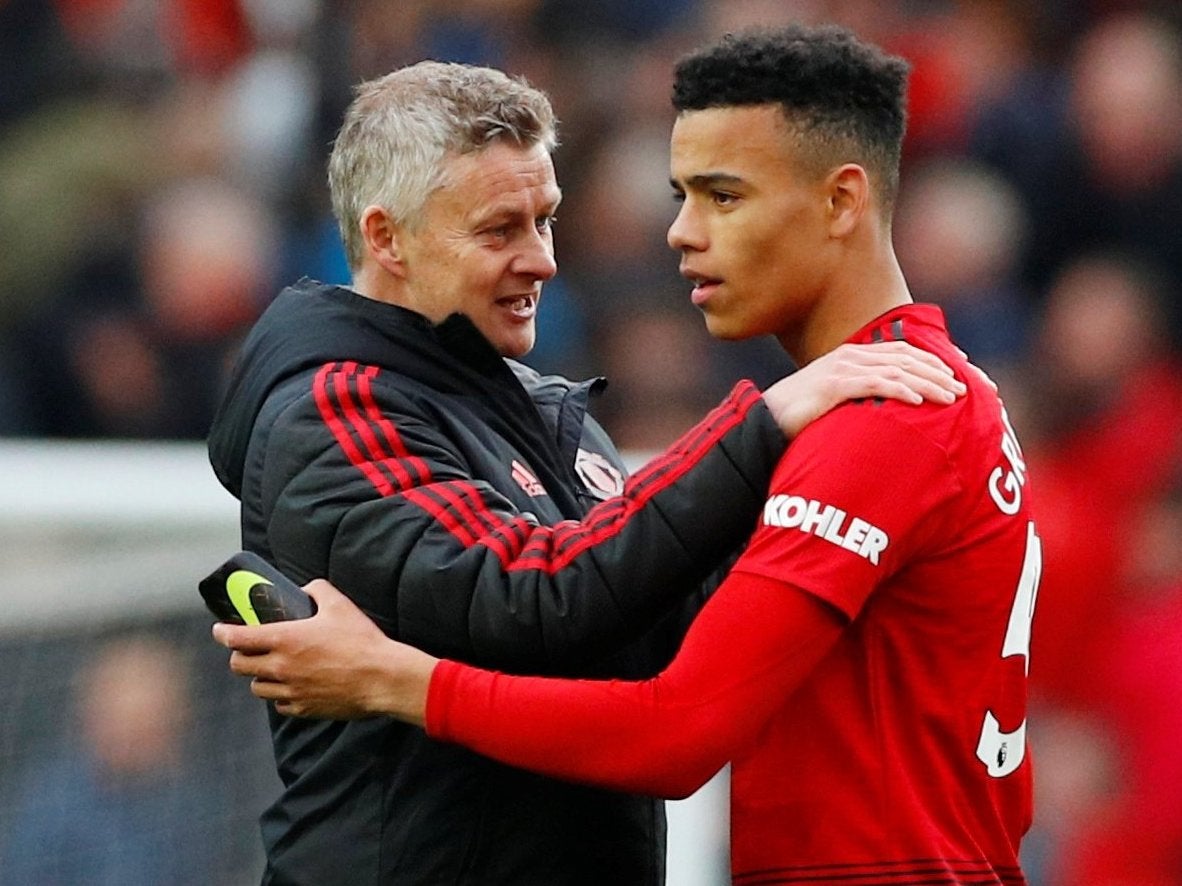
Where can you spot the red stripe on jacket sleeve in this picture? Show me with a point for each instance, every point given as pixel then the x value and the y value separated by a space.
pixel 380 453
pixel 414 463
pixel 371 442
pixel 322 387
pixel 427 498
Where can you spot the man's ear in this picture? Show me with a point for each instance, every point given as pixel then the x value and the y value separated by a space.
pixel 848 190
pixel 383 239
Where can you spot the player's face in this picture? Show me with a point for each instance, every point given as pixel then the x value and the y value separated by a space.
pixel 485 246
pixel 752 226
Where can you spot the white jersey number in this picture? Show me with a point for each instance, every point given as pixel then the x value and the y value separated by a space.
pixel 1003 752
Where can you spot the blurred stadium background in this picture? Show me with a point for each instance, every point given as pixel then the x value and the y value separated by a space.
pixel 161 176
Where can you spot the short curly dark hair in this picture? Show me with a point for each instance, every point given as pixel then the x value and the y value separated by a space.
pixel 845 99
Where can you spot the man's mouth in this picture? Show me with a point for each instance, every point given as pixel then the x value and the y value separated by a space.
pixel 704 287
pixel 522 307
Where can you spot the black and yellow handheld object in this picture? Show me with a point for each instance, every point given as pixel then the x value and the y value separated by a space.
pixel 246 589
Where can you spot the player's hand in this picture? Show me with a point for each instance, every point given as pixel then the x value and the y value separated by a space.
pixel 895 370
pixel 335 665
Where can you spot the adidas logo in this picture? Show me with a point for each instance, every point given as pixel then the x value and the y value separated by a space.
pixel 526 480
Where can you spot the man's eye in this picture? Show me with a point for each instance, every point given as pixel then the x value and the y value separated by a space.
pixel 722 198
pixel 679 196
pixel 546 222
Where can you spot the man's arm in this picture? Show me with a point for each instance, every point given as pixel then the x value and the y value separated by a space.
pixel 444 561
pixel 753 643
pixel 454 560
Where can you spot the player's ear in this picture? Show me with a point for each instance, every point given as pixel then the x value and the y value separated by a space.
pixel 383 236
pixel 848 191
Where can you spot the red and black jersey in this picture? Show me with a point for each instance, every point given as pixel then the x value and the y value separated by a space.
pixel 474 508
pixel 896 752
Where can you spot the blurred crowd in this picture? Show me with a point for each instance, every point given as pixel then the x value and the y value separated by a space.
pixel 161 177
pixel 131 757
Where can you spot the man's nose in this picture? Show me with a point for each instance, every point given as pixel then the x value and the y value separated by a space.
pixel 686 232
pixel 536 258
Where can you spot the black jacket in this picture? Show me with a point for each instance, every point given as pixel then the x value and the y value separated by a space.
pixel 465 503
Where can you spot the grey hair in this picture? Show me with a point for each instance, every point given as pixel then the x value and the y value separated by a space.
pixel 401 128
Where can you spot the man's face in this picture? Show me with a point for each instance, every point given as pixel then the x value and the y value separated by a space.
pixel 485 246
pixel 752 225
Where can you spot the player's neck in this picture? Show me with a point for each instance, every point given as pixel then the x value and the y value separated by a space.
pixel 867 289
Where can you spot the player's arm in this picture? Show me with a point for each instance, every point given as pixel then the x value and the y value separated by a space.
pixel 752 644
pixel 442 559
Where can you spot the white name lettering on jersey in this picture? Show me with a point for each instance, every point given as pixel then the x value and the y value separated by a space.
pixel 1006 480
pixel 827 522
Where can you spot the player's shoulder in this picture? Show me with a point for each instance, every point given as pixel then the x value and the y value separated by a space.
pixel 876 431
pixel 963 435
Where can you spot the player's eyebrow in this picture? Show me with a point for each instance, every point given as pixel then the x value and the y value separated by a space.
pixel 705 180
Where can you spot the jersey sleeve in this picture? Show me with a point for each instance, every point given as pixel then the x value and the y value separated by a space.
pixel 441 559
pixel 752 644
pixel 859 492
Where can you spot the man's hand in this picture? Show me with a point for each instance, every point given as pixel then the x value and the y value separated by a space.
pixel 335 665
pixel 886 369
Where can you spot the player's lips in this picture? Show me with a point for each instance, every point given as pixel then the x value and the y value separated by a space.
pixel 704 286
